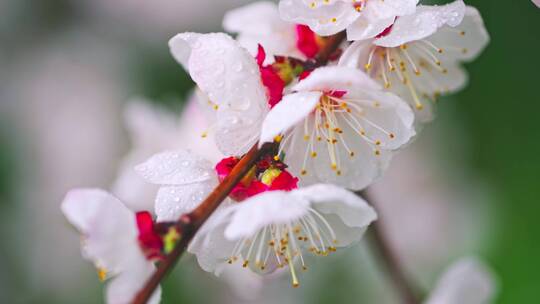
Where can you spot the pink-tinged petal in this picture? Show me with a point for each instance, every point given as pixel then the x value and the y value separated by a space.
pixel 423 23
pixel 537 2
pixel 290 111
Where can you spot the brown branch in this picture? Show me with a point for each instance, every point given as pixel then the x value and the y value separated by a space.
pixel 189 224
pixel 390 258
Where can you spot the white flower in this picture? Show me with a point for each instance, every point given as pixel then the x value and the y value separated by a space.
pixel 537 2
pixel 260 23
pixel 231 79
pixel 362 19
pixel 468 281
pixel 419 56
pixel 153 130
pixel 339 127
pixel 185 180
pixel 276 228
pixel 110 241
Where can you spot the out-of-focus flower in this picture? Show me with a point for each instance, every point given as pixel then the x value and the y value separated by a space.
pixel 260 23
pixel 418 56
pixel 338 127
pixel 537 2
pixel 468 281
pixel 152 130
pixel 362 19
pixel 119 242
pixel 274 229
pixel 268 174
pixel 231 78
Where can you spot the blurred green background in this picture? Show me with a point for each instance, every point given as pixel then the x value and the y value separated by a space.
pixel 490 130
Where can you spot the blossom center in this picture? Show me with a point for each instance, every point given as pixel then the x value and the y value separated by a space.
pixel 268 174
pixel 279 245
pixel 337 122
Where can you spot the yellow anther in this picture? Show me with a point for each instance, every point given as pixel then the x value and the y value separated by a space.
pixel 278 138
pixel 102 274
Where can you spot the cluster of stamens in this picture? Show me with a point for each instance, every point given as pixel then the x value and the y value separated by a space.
pixel 280 245
pixel 334 122
pixel 399 64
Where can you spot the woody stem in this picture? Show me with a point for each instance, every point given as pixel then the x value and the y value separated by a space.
pixel 387 256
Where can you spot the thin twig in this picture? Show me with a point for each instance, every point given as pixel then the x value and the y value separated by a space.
pixel 389 257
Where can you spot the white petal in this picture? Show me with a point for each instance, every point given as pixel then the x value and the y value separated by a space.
pixel 537 2
pixel 260 23
pixel 389 8
pixel 468 281
pixel 464 42
pixel 321 18
pixel 123 288
pixel 273 207
pixel 336 78
pixel 238 131
pixel 426 21
pixel 178 167
pixel 353 210
pixel 173 201
pixel 210 245
pixel 255 18
pixel 353 54
pixel 109 228
pixel 365 28
pixel 222 69
pixel 377 16
pixel 388 114
pixel 292 109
